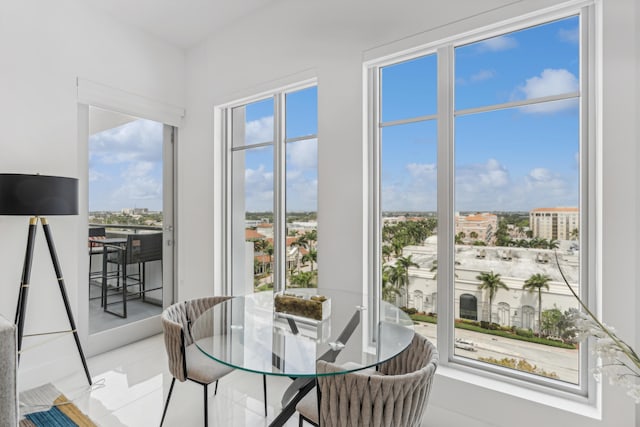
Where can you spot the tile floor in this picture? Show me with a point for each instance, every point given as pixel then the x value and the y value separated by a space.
pixel 136 382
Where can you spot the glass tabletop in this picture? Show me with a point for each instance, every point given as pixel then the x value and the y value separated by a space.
pixel 247 333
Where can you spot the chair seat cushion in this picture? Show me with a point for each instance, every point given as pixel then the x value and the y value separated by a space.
pixel 203 369
pixel 308 406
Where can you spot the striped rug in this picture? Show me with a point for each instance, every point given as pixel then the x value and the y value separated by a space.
pixel 46 406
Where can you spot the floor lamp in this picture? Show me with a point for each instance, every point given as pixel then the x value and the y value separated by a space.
pixel 39 196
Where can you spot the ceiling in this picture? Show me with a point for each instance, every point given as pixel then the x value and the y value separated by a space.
pixel 181 23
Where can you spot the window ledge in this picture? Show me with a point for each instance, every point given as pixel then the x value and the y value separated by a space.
pixel 450 378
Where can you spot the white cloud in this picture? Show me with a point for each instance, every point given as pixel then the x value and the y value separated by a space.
pixel 480 186
pixel 258 188
pixel 414 191
pixel 549 82
pixel 482 75
pixel 126 166
pixel 422 170
pixel 302 155
pixel 94 175
pixel 138 170
pixel 138 140
pixel 260 130
pixel 490 174
pixel 569 35
pixel 490 186
pixel 542 181
pixel 497 44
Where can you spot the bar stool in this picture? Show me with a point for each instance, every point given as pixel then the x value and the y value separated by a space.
pixel 139 250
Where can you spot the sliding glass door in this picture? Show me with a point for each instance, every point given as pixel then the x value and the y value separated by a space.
pixel 130 218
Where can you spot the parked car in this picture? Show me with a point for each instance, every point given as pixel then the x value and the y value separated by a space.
pixel 465 344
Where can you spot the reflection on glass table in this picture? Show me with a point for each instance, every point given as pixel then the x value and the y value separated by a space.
pixel 246 333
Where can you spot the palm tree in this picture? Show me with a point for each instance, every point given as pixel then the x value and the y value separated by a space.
pixel 311 256
pixel 386 252
pixel 493 283
pixel 389 291
pixel 269 251
pixel 404 263
pixel 574 234
pixel 301 242
pixel 553 244
pixel 535 283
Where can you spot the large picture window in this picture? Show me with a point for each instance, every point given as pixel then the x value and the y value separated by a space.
pixel 272 191
pixel 494 129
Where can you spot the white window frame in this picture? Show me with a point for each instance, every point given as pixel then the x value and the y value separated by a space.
pixel 589 182
pixel 278 143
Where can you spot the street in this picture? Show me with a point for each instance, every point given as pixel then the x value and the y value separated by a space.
pixel 563 362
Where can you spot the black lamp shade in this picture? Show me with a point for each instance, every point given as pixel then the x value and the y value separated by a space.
pixel 38 195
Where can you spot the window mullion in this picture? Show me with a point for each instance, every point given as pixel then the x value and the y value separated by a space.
pixel 375 217
pixel 445 176
pixel 279 188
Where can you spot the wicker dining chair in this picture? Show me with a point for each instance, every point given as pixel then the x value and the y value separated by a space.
pixel 186 361
pixel 394 396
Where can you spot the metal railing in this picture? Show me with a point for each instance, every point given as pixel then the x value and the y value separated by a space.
pixel 119 230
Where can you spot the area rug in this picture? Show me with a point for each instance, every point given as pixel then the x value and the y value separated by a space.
pixel 46 406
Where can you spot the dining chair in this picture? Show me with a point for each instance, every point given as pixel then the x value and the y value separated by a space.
pixel 395 395
pixel 186 361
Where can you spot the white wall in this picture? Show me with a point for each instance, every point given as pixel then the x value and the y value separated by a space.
pixel 44 47
pixel 330 39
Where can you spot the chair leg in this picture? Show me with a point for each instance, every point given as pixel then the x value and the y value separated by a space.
pixel 166 405
pixel 264 387
pixel 206 406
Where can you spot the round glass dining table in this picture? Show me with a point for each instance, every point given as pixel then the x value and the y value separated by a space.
pixel 246 333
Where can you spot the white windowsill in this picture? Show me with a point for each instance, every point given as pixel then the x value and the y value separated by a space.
pixel 575 405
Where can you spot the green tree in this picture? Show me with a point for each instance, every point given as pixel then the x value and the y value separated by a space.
pixel 502 234
pixel 311 257
pixel 574 234
pixel 493 283
pixel 551 321
pixel 386 252
pixel 389 291
pixel 302 279
pixel 405 263
pixel 535 283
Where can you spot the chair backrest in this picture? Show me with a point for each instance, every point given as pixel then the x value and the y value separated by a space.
pixel 97 232
pixel 176 324
pixel 144 247
pixel 397 398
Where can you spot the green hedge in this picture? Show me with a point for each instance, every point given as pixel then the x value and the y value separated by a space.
pixel 424 318
pixel 501 333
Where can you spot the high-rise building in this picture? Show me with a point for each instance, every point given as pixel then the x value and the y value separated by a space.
pixel 560 223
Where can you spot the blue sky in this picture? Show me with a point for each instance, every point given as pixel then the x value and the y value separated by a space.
pixel 301 156
pixel 125 167
pixel 513 159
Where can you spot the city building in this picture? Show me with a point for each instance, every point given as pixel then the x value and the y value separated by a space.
pixel 476 227
pixel 555 223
